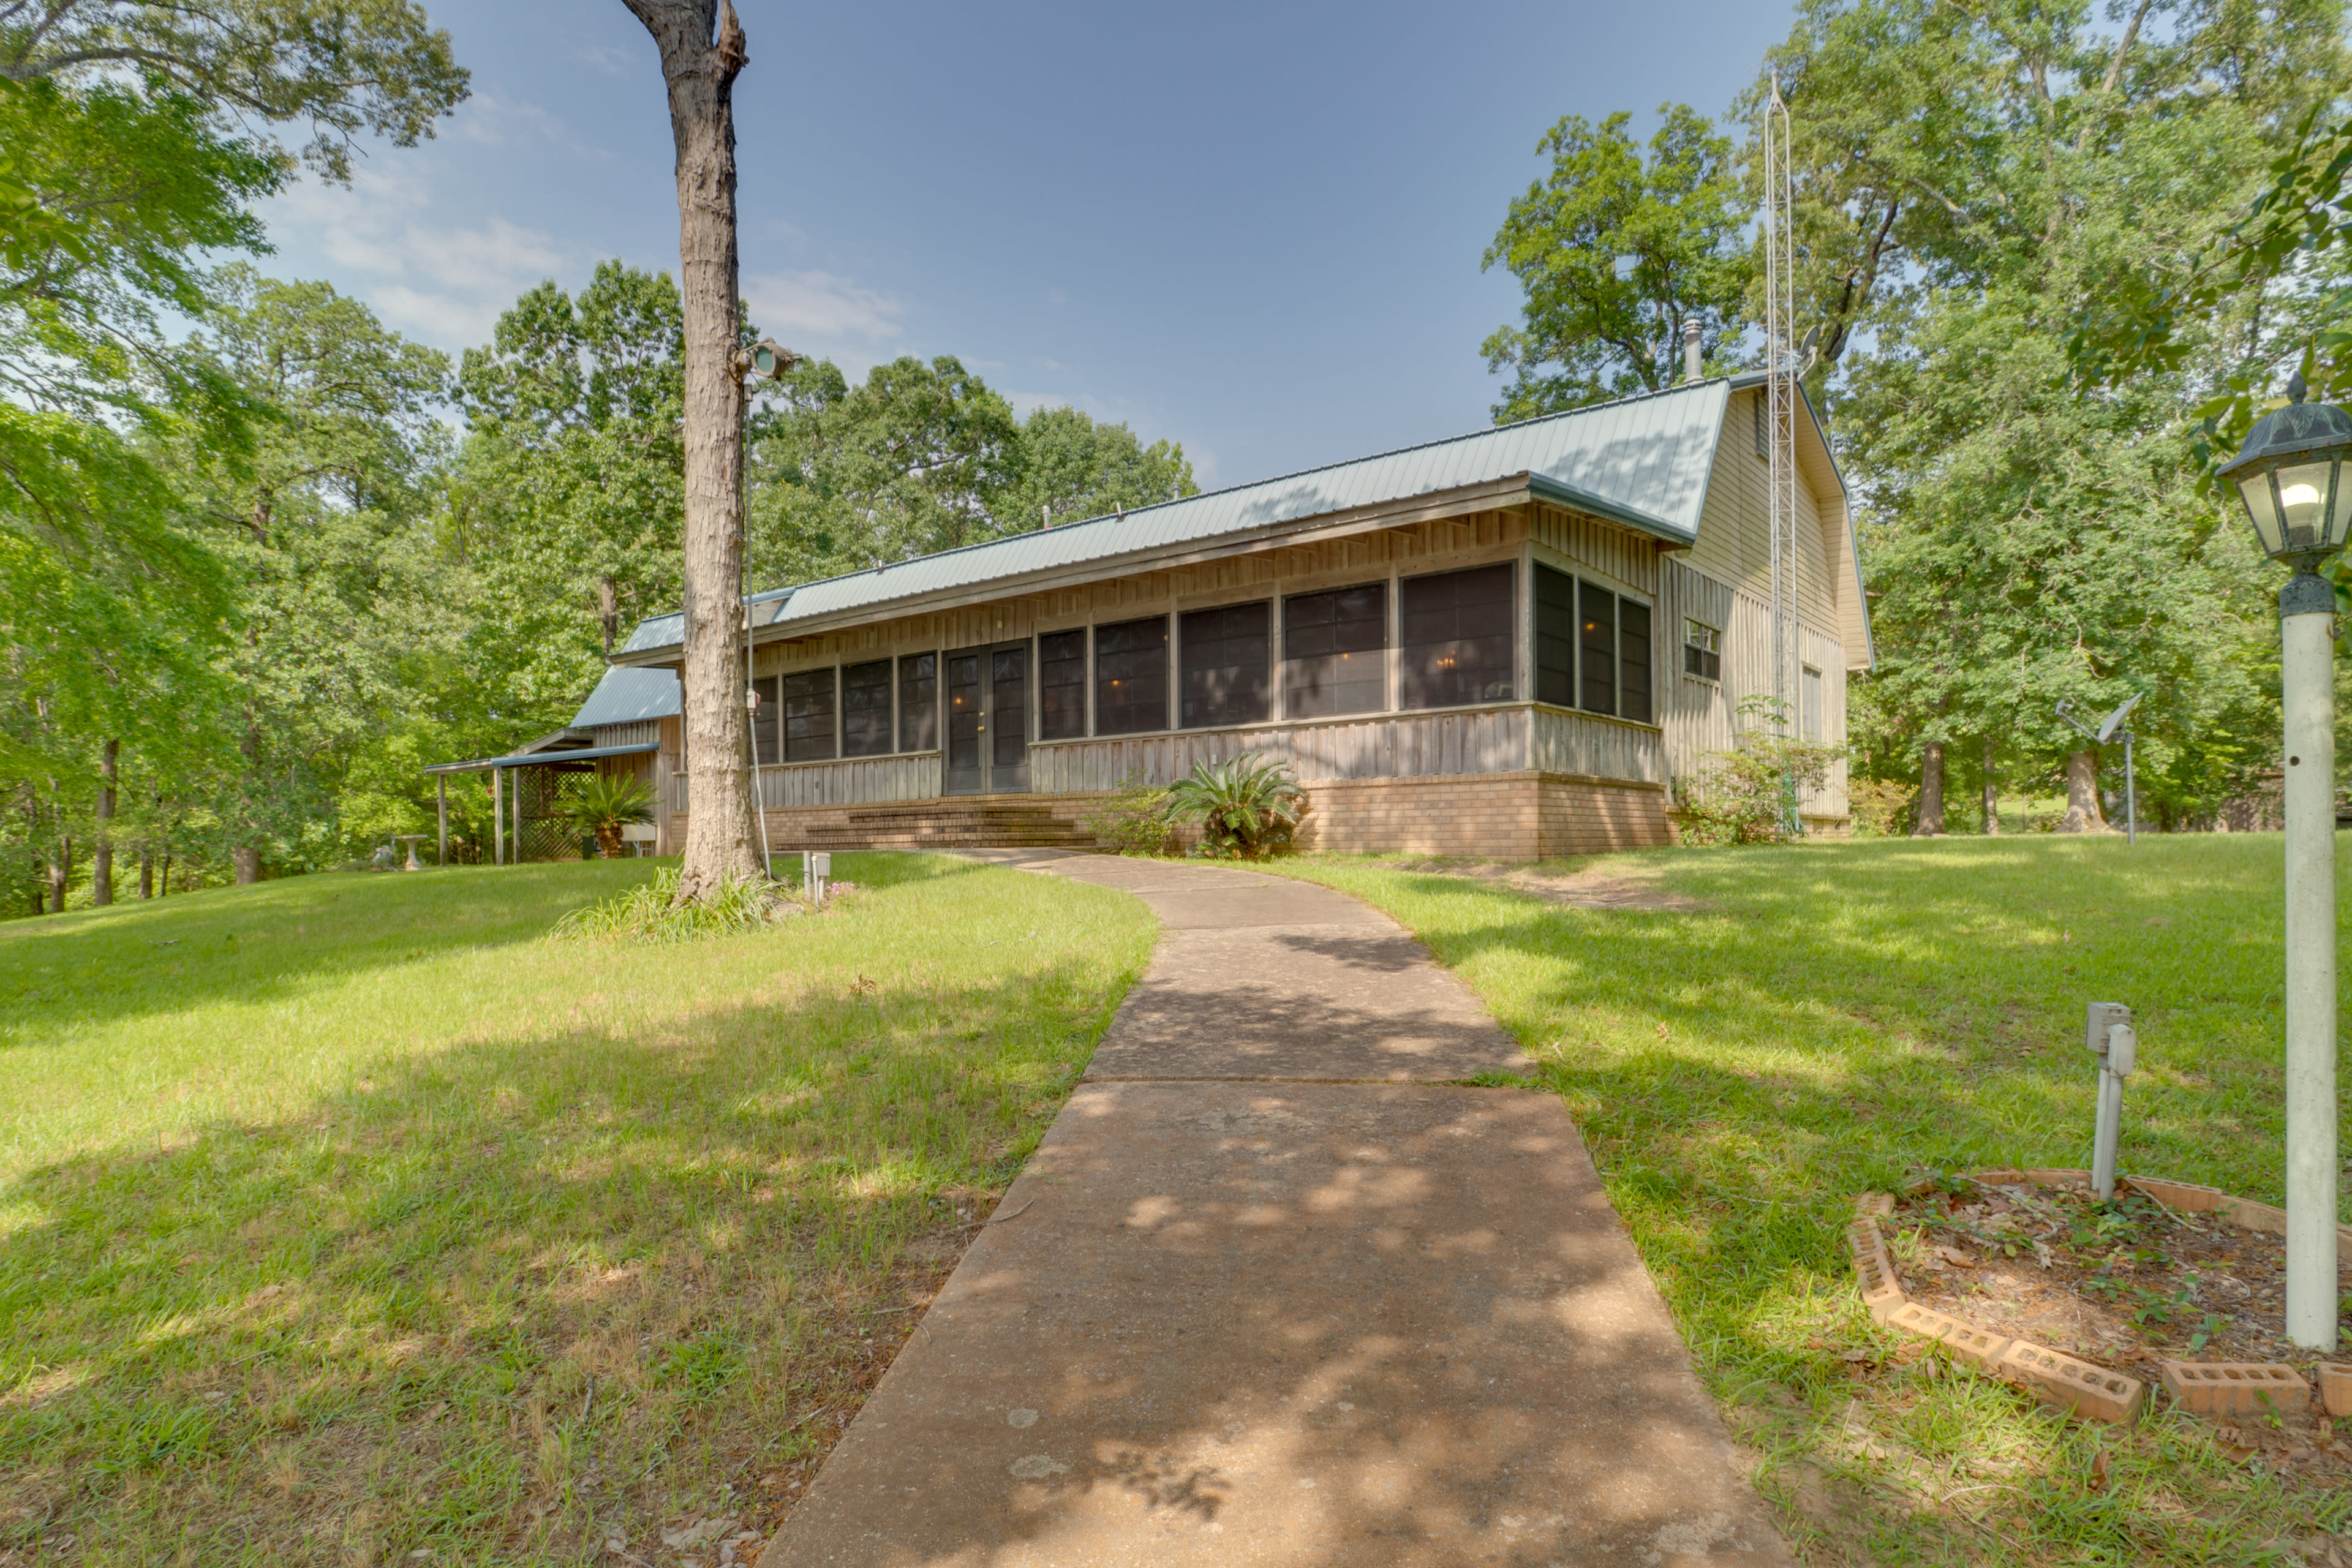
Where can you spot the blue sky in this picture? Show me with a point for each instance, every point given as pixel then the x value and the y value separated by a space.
pixel 1255 229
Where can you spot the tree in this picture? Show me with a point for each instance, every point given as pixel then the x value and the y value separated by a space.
pixel 1968 182
pixel 1612 254
pixel 702 52
pixel 572 493
pixel 1074 467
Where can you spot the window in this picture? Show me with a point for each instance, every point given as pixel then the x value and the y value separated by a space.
pixel 1062 686
pixel 1555 638
pixel 918 703
pixel 1132 676
pixel 808 716
pixel 1701 650
pixel 1633 661
pixel 1810 694
pixel 1226 661
pixel 1596 626
pixel 766 725
pixel 1457 639
pixel 1592 648
pixel 1335 652
pixel 865 710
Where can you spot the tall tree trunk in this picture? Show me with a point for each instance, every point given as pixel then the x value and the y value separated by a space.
pixel 2082 811
pixel 101 848
pixel 60 873
pixel 165 886
pixel 246 859
pixel 146 874
pixel 608 610
pixel 1931 791
pixel 1992 795
pixel 702 51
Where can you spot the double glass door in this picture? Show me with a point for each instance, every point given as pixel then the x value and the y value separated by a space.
pixel 988 720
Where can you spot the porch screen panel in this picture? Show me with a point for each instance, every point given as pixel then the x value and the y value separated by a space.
pixel 1555 638
pixel 918 703
pixel 1062 686
pixel 1457 637
pixel 1334 652
pixel 865 710
pixel 767 723
pixel 1132 676
pixel 963 712
pixel 1226 663
pixel 808 716
pixel 1597 620
pixel 1633 661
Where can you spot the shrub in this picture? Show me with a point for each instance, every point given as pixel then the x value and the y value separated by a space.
pixel 650 912
pixel 1749 794
pixel 1881 807
pixel 1246 809
pixel 1136 818
pixel 605 804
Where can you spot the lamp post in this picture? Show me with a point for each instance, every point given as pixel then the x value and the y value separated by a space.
pixel 2291 477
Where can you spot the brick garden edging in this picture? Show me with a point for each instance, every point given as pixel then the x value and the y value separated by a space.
pixel 2215 1388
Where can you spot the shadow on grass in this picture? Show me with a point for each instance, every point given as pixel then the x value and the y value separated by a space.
pixel 514 1295
pixel 273 941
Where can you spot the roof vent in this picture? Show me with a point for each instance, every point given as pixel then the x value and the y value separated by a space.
pixel 1690 349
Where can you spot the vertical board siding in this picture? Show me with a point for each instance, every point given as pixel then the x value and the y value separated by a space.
pixel 1577 743
pixel 1700 717
pixel 855 781
pixel 1618 552
pixel 1379 746
pixel 1735 534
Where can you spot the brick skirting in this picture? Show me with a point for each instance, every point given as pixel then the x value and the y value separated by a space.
pixel 1487 817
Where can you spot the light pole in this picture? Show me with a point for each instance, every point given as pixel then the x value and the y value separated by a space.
pixel 2290 475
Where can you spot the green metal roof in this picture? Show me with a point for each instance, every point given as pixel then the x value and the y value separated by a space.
pixel 1640 461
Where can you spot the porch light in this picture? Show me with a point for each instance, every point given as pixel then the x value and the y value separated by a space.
pixel 2290 478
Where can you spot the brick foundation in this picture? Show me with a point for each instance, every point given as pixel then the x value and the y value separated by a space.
pixel 1485 816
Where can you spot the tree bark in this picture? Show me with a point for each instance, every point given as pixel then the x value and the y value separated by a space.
pixel 608 611
pixel 701 46
pixel 1931 791
pixel 164 887
pixel 2082 811
pixel 60 873
pixel 1991 796
pixel 146 874
pixel 102 849
pixel 246 859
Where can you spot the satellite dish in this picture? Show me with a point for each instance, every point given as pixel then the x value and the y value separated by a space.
pixel 2114 719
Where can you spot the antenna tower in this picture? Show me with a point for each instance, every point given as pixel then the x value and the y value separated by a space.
pixel 1781 371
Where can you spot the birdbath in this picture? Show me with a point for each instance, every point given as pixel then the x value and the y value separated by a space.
pixel 412 841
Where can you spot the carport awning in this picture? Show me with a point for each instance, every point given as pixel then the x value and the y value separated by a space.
pixel 540 758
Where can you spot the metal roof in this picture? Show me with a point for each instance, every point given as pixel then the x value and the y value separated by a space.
pixel 1642 461
pixel 541 759
pixel 629 696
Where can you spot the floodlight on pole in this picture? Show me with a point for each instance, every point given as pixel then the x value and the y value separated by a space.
pixel 2290 479
pixel 2100 737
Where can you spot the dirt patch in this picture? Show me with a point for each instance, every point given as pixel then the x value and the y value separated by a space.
pixel 2125 1284
pixel 1589 890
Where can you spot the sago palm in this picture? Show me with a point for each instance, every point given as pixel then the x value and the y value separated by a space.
pixel 1245 807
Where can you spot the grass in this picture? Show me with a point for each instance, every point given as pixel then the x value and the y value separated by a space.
pixel 350 1218
pixel 1841 1017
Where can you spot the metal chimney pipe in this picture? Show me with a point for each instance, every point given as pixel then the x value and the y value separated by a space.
pixel 1690 349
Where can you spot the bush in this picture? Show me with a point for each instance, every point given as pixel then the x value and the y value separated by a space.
pixel 1749 794
pixel 1136 818
pixel 1246 809
pixel 606 803
pixel 649 913
pixel 1881 807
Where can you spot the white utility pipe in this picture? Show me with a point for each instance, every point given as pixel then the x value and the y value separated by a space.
pixel 2306 627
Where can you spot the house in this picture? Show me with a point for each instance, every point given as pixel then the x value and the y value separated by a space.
pixel 1510 645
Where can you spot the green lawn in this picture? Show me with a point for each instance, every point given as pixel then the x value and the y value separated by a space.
pixel 1839 1017
pixel 348 1217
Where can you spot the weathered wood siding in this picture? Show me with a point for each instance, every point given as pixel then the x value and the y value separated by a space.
pixel 912 775
pixel 1702 716
pixel 1368 746
pixel 1587 745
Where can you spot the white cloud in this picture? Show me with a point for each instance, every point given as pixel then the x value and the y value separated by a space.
pixel 1024 404
pixel 610 58
pixel 444 283
pixel 820 305
pixel 491 121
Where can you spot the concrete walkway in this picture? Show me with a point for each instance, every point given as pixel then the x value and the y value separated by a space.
pixel 1277 1290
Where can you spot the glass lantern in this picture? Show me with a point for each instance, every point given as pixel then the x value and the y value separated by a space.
pixel 2290 478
